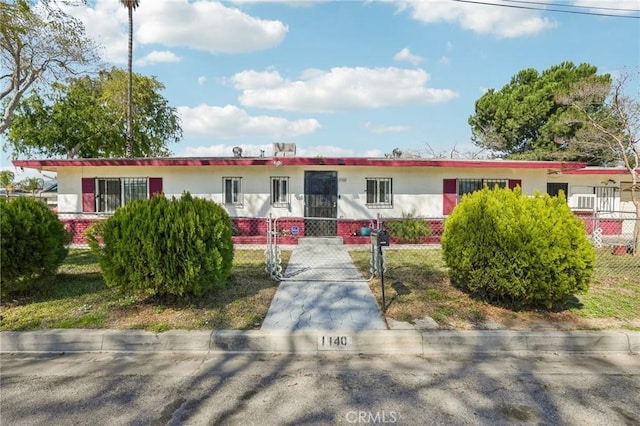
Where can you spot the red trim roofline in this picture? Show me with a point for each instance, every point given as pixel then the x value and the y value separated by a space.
pixel 53 165
pixel 600 171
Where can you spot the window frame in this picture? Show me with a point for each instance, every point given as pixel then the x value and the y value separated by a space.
pixel 625 191
pixel 278 199
pixel 125 193
pixel 236 197
pixel 490 183
pixel 606 198
pixel 557 187
pixel 381 195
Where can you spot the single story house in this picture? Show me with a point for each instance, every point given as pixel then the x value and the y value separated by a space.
pixel 353 191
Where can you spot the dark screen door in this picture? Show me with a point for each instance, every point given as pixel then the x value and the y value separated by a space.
pixel 320 200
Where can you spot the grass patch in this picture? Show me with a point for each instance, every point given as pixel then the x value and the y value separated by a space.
pixel 425 290
pixel 416 285
pixel 78 298
pixel 615 290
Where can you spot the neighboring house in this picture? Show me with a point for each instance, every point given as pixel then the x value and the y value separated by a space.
pixel 601 189
pixel 601 197
pixel 354 191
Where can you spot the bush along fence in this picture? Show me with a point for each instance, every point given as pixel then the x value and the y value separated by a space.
pixel 611 233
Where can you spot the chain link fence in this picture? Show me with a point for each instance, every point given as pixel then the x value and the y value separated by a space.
pixel 298 248
pixel 318 249
pixel 616 238
pixel 614 235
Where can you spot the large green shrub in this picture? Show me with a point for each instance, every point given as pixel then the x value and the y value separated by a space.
pixel 502 246
pixel 34 243
pixel 409 229
pixel 165 247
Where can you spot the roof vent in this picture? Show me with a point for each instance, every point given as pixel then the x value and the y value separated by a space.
pixel 284 149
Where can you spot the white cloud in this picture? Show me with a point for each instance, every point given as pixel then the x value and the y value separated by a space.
pixel 620 7
pixel 250 79
pixel 504 22
pixel 157 57
pixel 202 80
pixel 339 89
pixel 249 150
pixel 331 151
pixel 223 150
pixel 107 23
pixel 381 128
pixel 406 55
pixel 208 26
pixel 232 122
pixel 292 3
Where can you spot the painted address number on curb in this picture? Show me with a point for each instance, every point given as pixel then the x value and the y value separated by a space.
pixel 334 342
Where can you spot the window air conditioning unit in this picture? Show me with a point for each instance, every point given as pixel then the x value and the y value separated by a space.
pixel 584 202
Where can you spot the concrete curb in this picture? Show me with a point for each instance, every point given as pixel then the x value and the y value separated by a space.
pixel 409 342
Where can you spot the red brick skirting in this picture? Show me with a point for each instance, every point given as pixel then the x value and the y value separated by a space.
pixel 254 230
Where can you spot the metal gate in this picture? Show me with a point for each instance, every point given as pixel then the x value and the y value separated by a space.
pixel 317 254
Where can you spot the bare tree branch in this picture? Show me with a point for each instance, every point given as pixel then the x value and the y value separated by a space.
pixel 38 47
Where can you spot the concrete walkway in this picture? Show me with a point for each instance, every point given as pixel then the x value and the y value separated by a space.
pixel 323 290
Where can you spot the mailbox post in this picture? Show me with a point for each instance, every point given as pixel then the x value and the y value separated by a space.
pixel 379 239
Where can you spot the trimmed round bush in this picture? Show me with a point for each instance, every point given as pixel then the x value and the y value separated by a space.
pixel 502 246
pixel 34 244
pixel 165 247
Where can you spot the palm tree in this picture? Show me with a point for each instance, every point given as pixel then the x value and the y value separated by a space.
pixel 128 149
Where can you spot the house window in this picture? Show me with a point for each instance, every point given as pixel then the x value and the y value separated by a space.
pixel 112 193
pixel 232 191
pixel 280 191
pixel 135 189
pixel 554 188
pixel 467 186
pixel 605 198
pixel 625 191
pixel 379 192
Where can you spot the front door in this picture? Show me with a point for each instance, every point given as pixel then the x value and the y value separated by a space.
pixel 321 201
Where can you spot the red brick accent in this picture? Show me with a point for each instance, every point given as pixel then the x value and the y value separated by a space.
pixel 611 226
pixel 250 226
pixel 351 228
pixel 608 226
pixel 77 228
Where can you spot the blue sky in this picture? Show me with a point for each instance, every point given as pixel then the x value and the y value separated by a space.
pixel 349 78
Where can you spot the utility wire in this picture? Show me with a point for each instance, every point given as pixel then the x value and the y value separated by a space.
pixel 545 9
pixel 616 9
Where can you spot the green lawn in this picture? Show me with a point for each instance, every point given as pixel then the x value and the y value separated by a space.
pixel 417 285
pixel 416 282
pixel 79 298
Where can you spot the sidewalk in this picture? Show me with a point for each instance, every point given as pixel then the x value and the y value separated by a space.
pixel 328 293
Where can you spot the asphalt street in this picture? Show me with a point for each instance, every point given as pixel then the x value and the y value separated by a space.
pixel 334 388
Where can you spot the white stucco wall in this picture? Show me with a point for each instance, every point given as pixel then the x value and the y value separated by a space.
pixel 580 184
pixel 415 189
